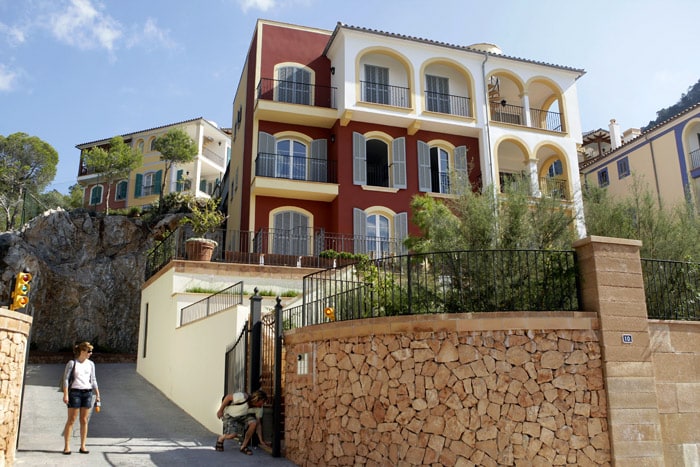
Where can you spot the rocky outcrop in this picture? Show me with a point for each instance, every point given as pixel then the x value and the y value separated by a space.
pixel 87 275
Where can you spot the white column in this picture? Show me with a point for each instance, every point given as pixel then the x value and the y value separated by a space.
pixel 534 179
pixel 526 109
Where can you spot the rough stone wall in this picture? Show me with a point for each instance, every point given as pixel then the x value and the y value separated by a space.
pixel 14 329
pixel 448 398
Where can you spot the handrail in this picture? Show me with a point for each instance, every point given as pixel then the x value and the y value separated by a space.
pixel 215 303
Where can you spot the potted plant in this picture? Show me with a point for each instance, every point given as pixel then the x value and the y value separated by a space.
pixel 203 218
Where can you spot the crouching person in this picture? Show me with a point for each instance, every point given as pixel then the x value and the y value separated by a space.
pixel 242 417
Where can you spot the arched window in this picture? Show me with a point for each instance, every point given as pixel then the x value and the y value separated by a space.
pixel 378 235
pixel 293 85
pixel 378 163
pixel 120 192
pixel 290 159
pixel 436 164
pixel 139 145
pixel 151 144
pixel 290 233
pixel 555 169
pixel 379 232
pixel 96 195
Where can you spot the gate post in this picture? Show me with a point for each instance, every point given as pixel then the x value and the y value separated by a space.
pixel 255 324
pixel 277 401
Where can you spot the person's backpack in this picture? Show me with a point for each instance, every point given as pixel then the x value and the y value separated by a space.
pixel 71 377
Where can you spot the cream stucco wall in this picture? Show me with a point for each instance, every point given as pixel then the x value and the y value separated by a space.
pixel 185 362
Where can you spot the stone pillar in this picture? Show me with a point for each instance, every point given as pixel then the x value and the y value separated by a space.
pixel 612 285
pixel 534 178
pixel 14 334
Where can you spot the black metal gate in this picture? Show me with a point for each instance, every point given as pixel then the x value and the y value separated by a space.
pixel 254 361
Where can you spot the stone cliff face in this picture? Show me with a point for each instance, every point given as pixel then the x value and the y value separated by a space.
pixel 87 276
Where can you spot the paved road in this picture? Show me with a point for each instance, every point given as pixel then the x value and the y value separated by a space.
pixel 138 426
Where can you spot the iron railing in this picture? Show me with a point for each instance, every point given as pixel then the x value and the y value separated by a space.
pixel 554 187
pixel 515 114
pixel 447 104
pixel 220 301
pixel 298 247
pixel 695 159
pixel 380 93
pixel 296 168
pixel 236 364
pixel 443 282
pixel 672 289
pixel 546 120
pixel 296 93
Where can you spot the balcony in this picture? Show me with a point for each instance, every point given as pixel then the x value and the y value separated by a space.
pixel 695 159
pixel 554 188
pixel 515 115
pixel 291 92
pixel 306 169
pixel 385 94
pixel 285 176
pixel 448 104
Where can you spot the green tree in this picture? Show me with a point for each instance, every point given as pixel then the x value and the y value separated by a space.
pixel 175 147
pixel 666 232
pixel 113 164
pixel 473 221
pixel 75 196
pixel 27 166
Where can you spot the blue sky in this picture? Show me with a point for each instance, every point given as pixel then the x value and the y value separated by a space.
pixel 74 71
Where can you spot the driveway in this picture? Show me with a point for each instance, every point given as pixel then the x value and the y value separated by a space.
pixel 138 425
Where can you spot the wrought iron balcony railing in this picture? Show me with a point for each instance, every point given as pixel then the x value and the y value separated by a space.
pixel 515 115
pixel 554 187
pixel 293 92
pixel 295 168
pixel 448 104
pixel 695 159
pixel 380 93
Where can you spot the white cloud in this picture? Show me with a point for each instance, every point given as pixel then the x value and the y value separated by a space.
pixel 151 35
pixel 83 26
pixel 7 78
pixel 14 34
pixel 262 5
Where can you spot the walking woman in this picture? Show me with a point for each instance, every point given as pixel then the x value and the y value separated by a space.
pixel 79 382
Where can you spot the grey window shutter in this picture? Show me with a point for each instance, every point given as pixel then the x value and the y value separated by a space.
pixel 359 159
pixel 399 162
pixel 401 231
pixel 319 164
pixel 424 183
pixel 266 143
pixel 461 159
pixel 359 226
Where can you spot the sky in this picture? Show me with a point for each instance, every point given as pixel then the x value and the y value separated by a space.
pixel 75 71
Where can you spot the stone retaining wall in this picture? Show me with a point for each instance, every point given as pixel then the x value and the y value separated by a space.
pixel 14 331
pixel 489 389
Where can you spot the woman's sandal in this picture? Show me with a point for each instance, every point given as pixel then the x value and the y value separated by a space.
pixel 246 450
pixel 219 446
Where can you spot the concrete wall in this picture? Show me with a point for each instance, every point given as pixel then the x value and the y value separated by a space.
pixel 14 332
pixel 676 357
pixel 186 363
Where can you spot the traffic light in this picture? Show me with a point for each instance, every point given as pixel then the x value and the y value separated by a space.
pixel 330 313
pixel 20 296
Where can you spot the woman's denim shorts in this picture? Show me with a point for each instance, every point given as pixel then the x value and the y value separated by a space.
pixel 79 398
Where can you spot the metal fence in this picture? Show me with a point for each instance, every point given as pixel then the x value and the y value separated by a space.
pixel 672 289
pixel 220 301
pixel 236 361
pixel 444 282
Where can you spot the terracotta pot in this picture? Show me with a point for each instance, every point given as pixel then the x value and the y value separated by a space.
pixel 199 249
